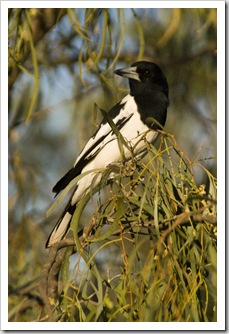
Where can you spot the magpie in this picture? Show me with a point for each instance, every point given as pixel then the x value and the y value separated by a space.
pixel 137 117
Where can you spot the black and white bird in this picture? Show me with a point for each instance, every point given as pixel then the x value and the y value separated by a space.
pixel 144 108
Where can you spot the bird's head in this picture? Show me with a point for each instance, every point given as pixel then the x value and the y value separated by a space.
pixel 144 78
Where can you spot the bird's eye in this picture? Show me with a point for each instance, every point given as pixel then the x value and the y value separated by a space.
pixel 146 73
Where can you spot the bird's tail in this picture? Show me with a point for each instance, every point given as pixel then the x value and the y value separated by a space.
pixel 62 226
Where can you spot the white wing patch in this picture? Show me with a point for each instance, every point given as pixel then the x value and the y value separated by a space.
pixel 133 131
pixel 105 129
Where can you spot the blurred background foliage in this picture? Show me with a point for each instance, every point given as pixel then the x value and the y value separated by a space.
pixel 140 264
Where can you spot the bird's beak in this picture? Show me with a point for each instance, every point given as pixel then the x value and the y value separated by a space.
pixel 128 72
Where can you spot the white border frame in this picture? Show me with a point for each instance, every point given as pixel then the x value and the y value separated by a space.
pixel 220 324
